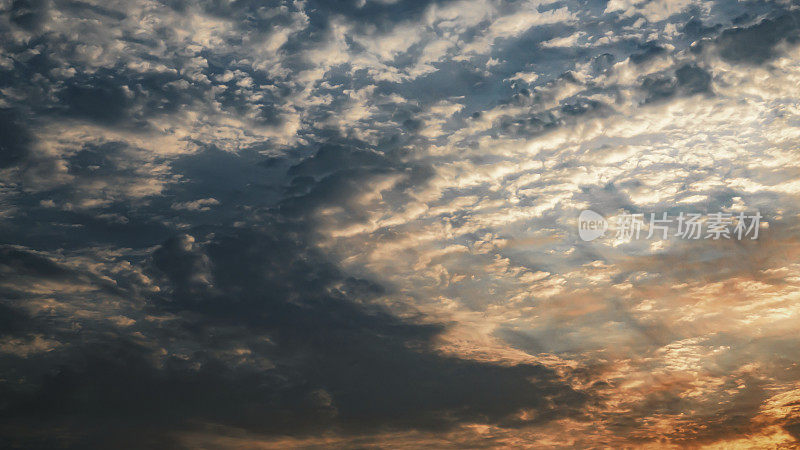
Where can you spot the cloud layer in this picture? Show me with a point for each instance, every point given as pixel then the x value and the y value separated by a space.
pixel 236 224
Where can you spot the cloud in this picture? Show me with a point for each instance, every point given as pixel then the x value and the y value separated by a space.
pixel 353 224
pixel 15 140
pixel 757 44
pixel 331 361
pixel 203 204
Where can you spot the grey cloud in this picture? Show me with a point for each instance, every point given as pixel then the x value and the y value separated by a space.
pixel 15 139
pixel 695 29
pixel 84 9
pixel 375 368
pixel 756 44
pixel 693 79
pixel 335 364
pixel 28 14
pixel 603 62
pixel 647 51
pixel 30 265
pixel 688 79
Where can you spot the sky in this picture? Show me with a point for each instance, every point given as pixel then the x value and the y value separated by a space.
pixel 232 224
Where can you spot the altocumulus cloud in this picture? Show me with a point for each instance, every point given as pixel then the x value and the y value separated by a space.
pixel 343 224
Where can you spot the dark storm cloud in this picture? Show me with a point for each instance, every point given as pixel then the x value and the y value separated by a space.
pixel 693 79
pixel 84 9
pixel 335 364
pixel 332 158
pixel 101 176
pixel 580 107
pixel 338 173
pixel 756 44
pixel 22 269
pixel 688 79
pixel 27 264
pixel 100 101
pixel 28 14
pixel 380 14
pixel 449 80
pixel 647 51
pixel 15 139
pixel 376 369
pixel 603 62
pixel 694 29
pixel 121 97
pixel 117 96
pixel 186 269
pixel 317 358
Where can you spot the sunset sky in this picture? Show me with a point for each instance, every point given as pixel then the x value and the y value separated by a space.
pixel 354 224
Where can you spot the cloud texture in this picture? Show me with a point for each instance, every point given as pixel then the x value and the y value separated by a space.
pixel 248 224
